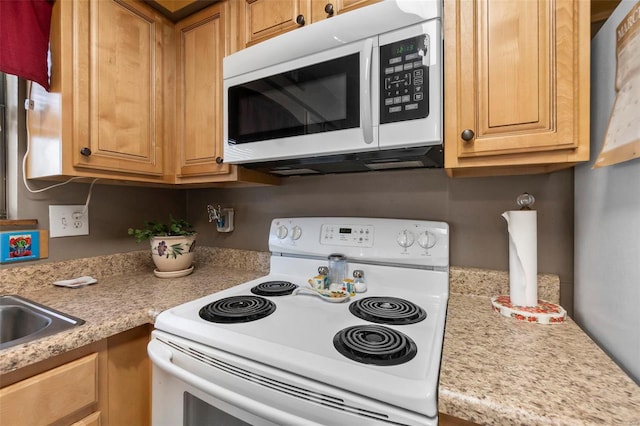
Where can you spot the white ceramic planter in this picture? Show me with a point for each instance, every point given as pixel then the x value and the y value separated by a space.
pixel 175 253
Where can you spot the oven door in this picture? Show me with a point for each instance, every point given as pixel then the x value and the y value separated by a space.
pixel 316 105
pixel 177 402
pixel 181 397
pixel 197 385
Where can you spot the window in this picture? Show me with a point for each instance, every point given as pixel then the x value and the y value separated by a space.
pixel 3 147
pixel 8 146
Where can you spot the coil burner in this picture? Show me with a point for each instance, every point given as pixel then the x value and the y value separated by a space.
pixel 237 309
pixel 387 310
pixel 274 288
pixel 375 344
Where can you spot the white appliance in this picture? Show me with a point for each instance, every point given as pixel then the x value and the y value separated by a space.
pixel 299 359
pixel 607 221
pixel 359 91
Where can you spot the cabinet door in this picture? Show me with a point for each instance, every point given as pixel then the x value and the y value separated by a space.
pixel 129 377
pixel 117 91
pixel 268 18
pixel 323 9
pixel 53 395
pixel 93 419
pixel 516 82
pixel 200 49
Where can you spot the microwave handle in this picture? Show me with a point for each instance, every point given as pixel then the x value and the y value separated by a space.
pixel 366 54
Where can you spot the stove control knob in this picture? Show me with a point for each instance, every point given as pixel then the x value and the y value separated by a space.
pixel 405 238
pixel 296 233
pixel 427 240
pixel 281 232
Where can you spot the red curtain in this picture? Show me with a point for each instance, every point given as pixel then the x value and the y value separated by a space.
pixel 24 39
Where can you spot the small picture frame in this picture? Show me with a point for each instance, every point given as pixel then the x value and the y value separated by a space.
pixel 16 246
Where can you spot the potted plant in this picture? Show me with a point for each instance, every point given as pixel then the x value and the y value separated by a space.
pixel 172 245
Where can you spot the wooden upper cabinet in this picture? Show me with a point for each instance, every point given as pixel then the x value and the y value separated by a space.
pixel 135 97
pixel 323 9
pixel 200 48
pixel 120 44
pixel 268 18
pixel 516 85
pixel 103 117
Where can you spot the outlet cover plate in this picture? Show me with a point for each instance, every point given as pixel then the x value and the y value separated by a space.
pixel 68 221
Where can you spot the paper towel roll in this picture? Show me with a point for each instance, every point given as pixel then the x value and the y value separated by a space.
pixel 523 256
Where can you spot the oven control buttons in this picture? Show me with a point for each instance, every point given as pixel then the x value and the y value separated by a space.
pixel 296 232
pixel 405 238
pixel 427 240
pixel 347 235
pixel 282 232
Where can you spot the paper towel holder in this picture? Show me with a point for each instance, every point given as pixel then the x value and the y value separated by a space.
pixel 525 201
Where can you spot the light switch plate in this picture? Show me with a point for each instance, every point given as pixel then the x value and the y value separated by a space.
pixel 68 221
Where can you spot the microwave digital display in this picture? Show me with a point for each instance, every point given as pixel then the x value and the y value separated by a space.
pixel 402 49
pixel 345 230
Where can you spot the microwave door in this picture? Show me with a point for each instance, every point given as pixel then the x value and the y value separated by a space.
pixel 318 98
pixel 317 105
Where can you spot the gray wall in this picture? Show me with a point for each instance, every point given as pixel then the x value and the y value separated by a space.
pixel 472 207
pixel 112 210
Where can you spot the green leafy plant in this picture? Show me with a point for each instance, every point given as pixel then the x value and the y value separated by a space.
pixel 175 227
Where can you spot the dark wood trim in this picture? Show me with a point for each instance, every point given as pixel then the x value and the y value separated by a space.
pixel 178 14
pixel 18 222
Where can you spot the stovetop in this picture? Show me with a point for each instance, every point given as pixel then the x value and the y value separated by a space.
pixel 302 333
pixel 299 335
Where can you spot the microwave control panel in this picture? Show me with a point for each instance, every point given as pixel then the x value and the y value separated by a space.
pixel 404 80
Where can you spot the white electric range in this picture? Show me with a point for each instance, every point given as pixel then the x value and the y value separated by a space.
pixel 261 353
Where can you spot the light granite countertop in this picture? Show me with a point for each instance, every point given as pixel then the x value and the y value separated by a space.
pixel 495 370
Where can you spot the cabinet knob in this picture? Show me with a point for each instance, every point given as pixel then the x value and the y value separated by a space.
pixel 219 160
pixel 328 8
pixel 300 20
pixel 85 151
pixel 467 135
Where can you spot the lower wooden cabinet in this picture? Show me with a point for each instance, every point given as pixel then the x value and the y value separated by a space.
pixel 105 383
pixel 53 395
pixel 447 420
pixel 129 378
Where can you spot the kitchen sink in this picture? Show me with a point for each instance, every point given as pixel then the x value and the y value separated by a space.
pixel 22 320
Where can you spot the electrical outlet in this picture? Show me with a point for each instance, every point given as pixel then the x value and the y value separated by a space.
pixel 68 221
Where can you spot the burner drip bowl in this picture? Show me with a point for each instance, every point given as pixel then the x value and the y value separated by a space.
pixel 375 344
pixel 237 309
pixel 274 288
pixel 387 310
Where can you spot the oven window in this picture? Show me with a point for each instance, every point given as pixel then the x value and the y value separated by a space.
pixel 199 413
pixel 318 98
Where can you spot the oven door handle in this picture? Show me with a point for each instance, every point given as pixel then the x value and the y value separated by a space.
pixel 366 54
pixel 162 357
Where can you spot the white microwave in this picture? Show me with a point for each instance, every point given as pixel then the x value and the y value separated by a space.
pixel 356 92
